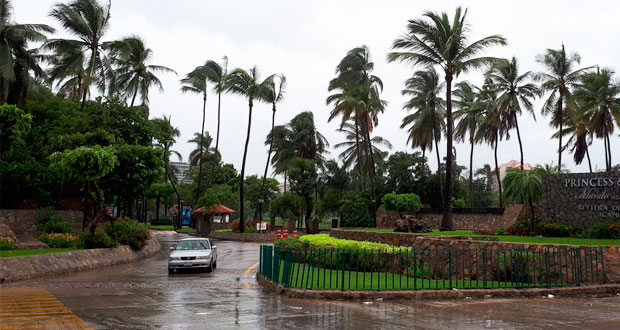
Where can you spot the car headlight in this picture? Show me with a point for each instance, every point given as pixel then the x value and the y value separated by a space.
pixel 203 257
pixel 174 258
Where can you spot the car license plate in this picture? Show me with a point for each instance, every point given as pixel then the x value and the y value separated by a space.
pixel 187 264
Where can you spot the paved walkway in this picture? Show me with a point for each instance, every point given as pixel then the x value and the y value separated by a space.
pixel 35 308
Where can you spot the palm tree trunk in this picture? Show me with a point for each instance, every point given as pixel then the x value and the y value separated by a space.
pixel 241 182
pixel 608 151
pixel 217 135
pixel 499 181
pixel 446 221
pixel 157 202
pixel 90 77
pixel 262 188
pixel 519 138
pixel 441 204
pixel 471 174
pixel 285 182
pixel 561 115
pixel 359 158
pixel 588 155
pixel 372 164
pixel 202 134
pixel 133 99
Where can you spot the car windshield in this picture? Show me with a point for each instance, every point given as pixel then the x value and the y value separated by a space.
pixel 192 245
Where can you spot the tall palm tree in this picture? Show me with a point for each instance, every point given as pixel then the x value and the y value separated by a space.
pixel 133 75
pixel 88 21
pixel 599 96
pixel 349 155
pixel 357 95
pixel 524 185
pixel 494 127
pixel 561 75
pixel 67 70
pixel 203 150
pixel 470 116
pixel 274 95
pixel 297 139
pixel 14 39
pixel 427 123
pixel 196 82
pixel 487 174
pixel 440 41
pixel 515 93
pixel 216 75
pixel 165 137
pixel 247 84
pixel 577 128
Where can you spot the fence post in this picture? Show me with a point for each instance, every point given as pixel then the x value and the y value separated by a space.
pixel 547 270
pixel 287 268
pixel 484 268
pixel 341 253
pixel 450 268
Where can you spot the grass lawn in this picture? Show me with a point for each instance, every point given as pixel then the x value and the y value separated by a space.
pixel 510 239
pixel 25 253
pixel 306 277
pixel 170 228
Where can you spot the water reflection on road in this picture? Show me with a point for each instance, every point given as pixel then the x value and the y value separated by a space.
pixel 142 295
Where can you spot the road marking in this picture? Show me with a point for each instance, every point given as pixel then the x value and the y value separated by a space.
pixel 247 273
pixel 33 308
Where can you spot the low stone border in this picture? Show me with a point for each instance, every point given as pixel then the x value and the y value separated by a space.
pixel 23 268
pixel 246 237
pixel 603 290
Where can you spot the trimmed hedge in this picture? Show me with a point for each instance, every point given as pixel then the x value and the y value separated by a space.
pixel 161 222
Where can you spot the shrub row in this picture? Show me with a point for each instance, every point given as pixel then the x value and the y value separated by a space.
pixel 161 222
pixel 125 232
pixel 60 241
pixel 603 230
pixel 6 244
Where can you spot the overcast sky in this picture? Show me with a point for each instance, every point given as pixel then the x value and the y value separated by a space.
pixel 305 40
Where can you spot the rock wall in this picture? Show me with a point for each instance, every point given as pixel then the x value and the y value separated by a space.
pixel 463 221
pixel 23 268
pixel 24 222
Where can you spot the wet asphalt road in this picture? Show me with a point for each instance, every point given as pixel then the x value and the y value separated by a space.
pixel 142 295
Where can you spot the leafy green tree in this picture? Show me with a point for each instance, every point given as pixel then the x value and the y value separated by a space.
pixel 159 191
pixel 287 206
pixel 221 194
pixel 406 172
pixel 598 95
pixel 515 93
pixel 304 177
pixel 524 185
pixel 407 203
pixel 259 192
pixel 441 41
pixel 356 211
pixel 248 85
pixel 560 77
pixel 14 124
pixel 87 166
pixel 133 74
pixel 88 21
pixel 274 95
pixel 16 60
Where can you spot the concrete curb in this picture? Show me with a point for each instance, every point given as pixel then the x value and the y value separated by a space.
pixel 23 268
pixel 590 290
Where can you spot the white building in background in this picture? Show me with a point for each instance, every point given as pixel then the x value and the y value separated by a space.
pixel 182 172
pixel 282 187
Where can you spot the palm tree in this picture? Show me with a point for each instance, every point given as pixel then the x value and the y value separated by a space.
pixel 427 123
pixel 196 82
pixel 487 174
pixel 247 84
pixel 357 95
pixel 524 185
pixel 203 150
pixel 133 74
pixel 470 116
pixel 599 96
pixel 577 127
pixel 274 95
pixel 350 156
pixel 14 54
pixel 515 93
pixel 494 126
pixel 557 81
pixel 165 137
pixel 298 139
pixel 440 41
pixel 216 74
pixel 88 21
pixel 67 69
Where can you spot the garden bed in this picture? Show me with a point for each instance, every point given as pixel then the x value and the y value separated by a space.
pixel 31 252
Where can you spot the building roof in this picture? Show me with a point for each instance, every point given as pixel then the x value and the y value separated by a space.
pixel 215 209
pixel 515 164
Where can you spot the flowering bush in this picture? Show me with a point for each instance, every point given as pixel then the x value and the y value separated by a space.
pixel 61 241
pixel 6 244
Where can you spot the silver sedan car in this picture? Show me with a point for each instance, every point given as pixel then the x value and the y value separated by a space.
pixel 193 253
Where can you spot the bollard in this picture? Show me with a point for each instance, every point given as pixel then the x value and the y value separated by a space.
pixel 285 234
pixel 278 234
pixel 294 233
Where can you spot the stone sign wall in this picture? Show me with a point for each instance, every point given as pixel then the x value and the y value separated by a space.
pixel 581 199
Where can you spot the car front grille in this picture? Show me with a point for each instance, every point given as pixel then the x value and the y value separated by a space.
pixel 188 258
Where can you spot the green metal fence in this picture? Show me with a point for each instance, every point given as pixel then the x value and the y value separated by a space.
pixel 417 269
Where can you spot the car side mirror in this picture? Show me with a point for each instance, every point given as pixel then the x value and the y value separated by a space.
pixel 172 248
pixel 214 246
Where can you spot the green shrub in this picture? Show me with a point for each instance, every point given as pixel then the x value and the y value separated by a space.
pixel 59 241
pixel 161 222
pixel 57 226
pixel 402 203
pixel 6 244
pixel 515 267
pixel 556 230
pixel 523 228
pixel 44 215
pixel 292 243
pixel 603 230
pixel 128 232
pixel 98 240
pixel 459 203
pixel 355 211
pixel 501 232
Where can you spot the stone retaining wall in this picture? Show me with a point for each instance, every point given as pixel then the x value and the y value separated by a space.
pixel 249 237
pixel 598 290
pixel 24 222
pixel 463 221
pixel 23 268
pixel 611 255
